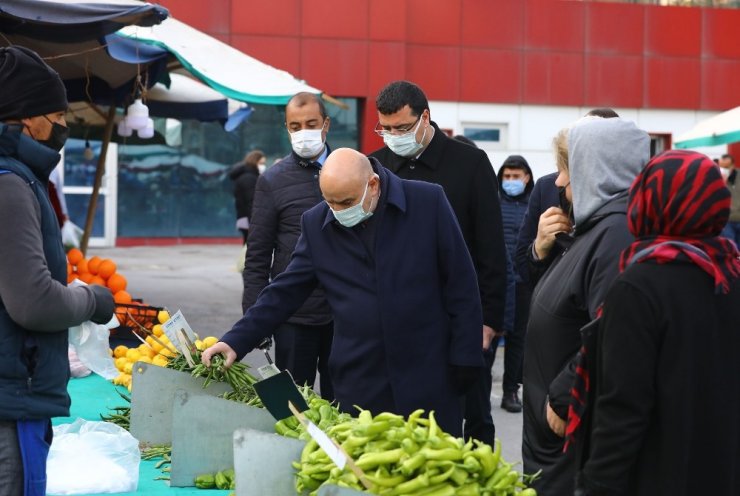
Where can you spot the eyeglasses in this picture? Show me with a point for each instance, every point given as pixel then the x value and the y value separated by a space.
pixel 395 130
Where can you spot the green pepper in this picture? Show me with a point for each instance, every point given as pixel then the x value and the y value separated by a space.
pixel 412 486
pixel 509 479
pixel 436 490
pixel 221 481
pixel 390 481
pixel 409 465
pixel 528 492
pixel 459 476
pixel 205 481
pixel 471 463
pixel 371 460
pixel 442 454
pixel 469 490
pixel 312 415
pixel 449 468
pixel 499 474
pixel 488 460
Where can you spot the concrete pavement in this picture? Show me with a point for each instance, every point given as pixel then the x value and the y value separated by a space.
pixel 203 282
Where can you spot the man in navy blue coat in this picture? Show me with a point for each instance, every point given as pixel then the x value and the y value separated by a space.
pixel 400 283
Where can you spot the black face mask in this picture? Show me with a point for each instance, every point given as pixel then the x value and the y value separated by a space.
pixel 58 136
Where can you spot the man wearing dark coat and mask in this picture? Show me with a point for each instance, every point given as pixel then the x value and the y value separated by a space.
pixel 417 149
pixel 401 286
pixel 36 306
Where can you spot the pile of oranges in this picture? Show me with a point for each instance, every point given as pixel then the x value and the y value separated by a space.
pixel 96 270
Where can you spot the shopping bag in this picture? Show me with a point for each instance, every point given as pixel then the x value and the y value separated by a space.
pixel 92 457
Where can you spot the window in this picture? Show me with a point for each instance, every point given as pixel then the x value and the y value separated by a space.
pixel 487 136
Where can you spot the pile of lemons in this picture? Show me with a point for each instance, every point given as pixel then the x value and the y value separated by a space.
pixel 157 350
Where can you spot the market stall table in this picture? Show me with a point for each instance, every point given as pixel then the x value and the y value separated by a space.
pixel 93 396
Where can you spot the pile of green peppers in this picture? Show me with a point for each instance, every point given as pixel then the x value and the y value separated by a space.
pixel 320 411
pixel 409 457
pixel 223 479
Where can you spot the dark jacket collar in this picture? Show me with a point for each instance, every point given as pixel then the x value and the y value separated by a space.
pixel 304 162
pixel 37 157
pixel 430 157
pixel 391 192
pixel 617 205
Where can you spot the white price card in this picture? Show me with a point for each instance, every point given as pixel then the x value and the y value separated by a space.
pixel 175 324
pixel 331 449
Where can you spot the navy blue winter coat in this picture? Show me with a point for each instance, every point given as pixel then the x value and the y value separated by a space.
pixel 404 312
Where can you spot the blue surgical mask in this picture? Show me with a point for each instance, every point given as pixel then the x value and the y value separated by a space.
pixel 350 217
pixel 513 187
pixel 405 145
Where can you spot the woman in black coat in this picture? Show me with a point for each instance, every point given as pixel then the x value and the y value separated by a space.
pixel 603 158
pixel 245 174
pixel 665 366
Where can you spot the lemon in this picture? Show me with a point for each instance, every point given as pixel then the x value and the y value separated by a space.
pixel 132 355
pixel 210 341
pixel 120 351
pixel 128 368
pixel 199 345
pixel 120 362
pixel 157 330
pixel 166 352
pixel 156 347
pixel 160 361
pixel 145 359
pixel 150 340
pixel 163 316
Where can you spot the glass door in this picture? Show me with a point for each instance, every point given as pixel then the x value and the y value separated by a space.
pixel 78 175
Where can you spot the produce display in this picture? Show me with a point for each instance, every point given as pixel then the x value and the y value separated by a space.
pixel 409 457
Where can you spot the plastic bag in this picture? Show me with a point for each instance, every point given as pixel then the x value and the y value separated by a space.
pixel 71 234
pixel 91 341
pixel 92 457
pixel 76 367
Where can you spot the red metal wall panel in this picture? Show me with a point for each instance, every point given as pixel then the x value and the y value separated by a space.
pixel 491 76
pixel 337 67
pixel 278 51
pixel 386 63
pixel 672 82
pixel 721 28
pixel 433 23
pixel 387 20
pixel 276 17
pixel 557 26
pixel 335 19
pixel 614 28
pixel 436 69
pixel 493 24
pixel 553 77
pixel 614 81
pixel 672 31
pixel 720 84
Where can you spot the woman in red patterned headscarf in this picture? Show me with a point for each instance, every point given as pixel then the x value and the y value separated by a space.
pixel 665 388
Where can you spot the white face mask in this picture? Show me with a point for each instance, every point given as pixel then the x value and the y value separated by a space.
pixel 262 168
pixel 350 217
pixel 405 145
pixel 307 143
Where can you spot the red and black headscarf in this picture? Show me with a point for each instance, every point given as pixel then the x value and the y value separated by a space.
pixel 678 206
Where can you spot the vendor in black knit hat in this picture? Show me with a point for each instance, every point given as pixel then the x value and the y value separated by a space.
pixel 36 305
pixel 32 94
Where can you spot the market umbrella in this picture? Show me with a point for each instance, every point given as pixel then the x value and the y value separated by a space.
pixel 718 130
pixel 75 38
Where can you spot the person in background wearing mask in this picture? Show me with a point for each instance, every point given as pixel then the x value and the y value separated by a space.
pixel 402 286
pixel 286 190
pixel 245 174
pixel 417 149
pixel 515 185
pixel 729 173
pixel 36 306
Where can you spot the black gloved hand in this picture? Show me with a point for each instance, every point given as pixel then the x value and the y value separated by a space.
pixel 463 377
pixel 104 304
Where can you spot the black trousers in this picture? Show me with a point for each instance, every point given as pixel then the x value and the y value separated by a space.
pixel 303 349
pixel 478 419
pixel 514 345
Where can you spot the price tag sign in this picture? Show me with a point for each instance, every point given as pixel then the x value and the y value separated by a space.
pixel 172 327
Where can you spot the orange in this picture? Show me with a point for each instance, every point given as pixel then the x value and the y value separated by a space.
pixel 85 277
pixel 82 266
pixel 69 268
pixel 74 255
pixel 122 297
pixel 71 278
pixel 97 280
pixel 93 264
pixel 106 268
pixel 117 283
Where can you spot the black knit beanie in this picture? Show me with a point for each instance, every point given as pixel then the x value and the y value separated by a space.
pixel 28 86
